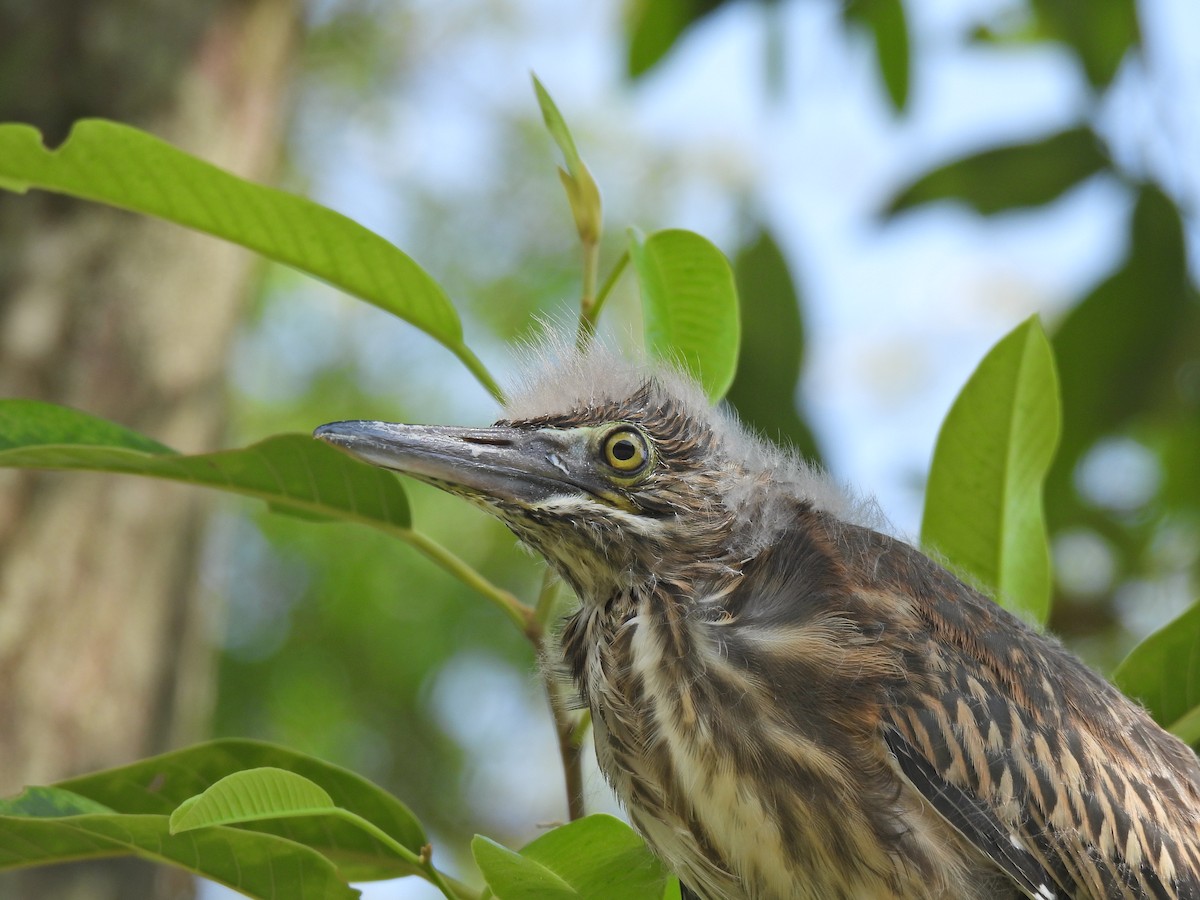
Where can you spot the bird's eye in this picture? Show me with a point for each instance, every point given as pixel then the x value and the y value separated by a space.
pixel 626 450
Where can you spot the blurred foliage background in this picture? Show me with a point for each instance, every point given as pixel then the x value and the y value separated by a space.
pixel 899 183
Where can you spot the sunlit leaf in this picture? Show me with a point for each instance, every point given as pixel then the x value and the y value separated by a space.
pixel 1011 177
pixel 983 503
pixel 160 784
pixel 886 22
pixel 252 794
pixel 600 857
pixel 276 798
pixel 291 472
pixel 258 865
pixel 772 347
pixel 1163 674
pixel 594 858
pixel 513 877
pixel 690 306
pixel 121 166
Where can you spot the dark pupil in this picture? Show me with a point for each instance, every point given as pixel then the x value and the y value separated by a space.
pixel 623 450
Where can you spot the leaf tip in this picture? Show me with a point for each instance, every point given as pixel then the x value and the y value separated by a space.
pixel 178 820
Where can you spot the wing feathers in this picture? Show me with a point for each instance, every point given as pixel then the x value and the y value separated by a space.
pixel 973 820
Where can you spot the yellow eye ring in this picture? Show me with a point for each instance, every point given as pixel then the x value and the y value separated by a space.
pixel 626 450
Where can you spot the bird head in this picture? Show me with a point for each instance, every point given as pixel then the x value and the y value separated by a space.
pixel 616 473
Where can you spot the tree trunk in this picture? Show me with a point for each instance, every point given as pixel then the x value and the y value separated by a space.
pixel 103 650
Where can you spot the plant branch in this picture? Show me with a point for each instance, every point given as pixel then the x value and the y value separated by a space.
pixel 581 728
pixel 565 729
pixel 589 312
pixel 461 891
pixel 570 751
pixel 546 597
pixel 524 617
pixel 478 369
pixel 422 861
pixel 588 306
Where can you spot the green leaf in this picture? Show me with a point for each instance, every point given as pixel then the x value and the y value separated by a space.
pixel 257 865
pixel 594 858
pixel 52 824
pixel 690 305
pixel 123 167
pixel 29 423
pixel 983 503
pixel 886 21
pixel 49 803
pixel 772 348
pixel 160 784
pixel 1100 35
pixel 513 877
pixel 1187 727
pixel 263 793
pixel 1163 673
pixel 1005 178
pixel 653 27
pixel 1120 349
pixel 600 857
pixel 293 473
pixel 1178 447
pixel 269 794
pixel 582 192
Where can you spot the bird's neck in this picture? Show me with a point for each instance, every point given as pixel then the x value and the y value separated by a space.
pixel 661 578
pixel 601 641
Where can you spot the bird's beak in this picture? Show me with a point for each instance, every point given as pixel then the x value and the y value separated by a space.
pixel 506 464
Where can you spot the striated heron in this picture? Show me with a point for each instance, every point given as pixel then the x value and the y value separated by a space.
pixel 789 703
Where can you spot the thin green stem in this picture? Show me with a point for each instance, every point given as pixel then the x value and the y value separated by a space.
pixel 568 749
pixel 546 597
pixel 609 283
pixel 420 861
pixel 521 615
pixel 587 302
pixel 478 369
pixel 581 728
pixel 532 623
pixel 463 891
pixel 564 728
pixel 591 266
pixel 439 881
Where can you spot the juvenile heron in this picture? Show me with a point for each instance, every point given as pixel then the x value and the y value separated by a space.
pixel 789 703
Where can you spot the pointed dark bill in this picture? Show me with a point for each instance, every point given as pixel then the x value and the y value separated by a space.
pixel 506 464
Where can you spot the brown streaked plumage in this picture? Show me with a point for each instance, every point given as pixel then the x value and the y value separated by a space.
pixel 789 703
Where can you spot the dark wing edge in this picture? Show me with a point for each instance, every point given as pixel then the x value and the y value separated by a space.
pixel 973 820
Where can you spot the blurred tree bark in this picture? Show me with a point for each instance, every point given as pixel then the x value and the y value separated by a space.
pixel 103 657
